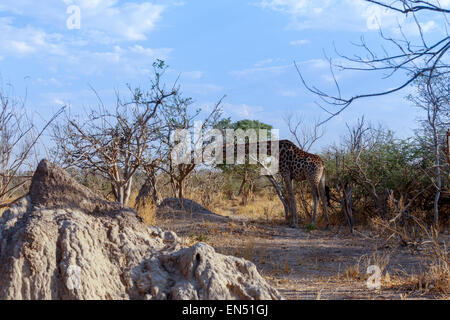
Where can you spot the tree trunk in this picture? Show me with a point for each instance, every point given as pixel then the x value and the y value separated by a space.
pixel 180 190
pixel 127 194
pixel 345 199
pixel 122 191
pixel 244 181
pixel 148 191
pixel 284 200
pixel 438 178
pixel 154 190
pixel 118 191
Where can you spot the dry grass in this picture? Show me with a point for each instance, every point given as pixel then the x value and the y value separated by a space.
pixel 435 280
pixel 8 201
pixel 262 209
pixel 248 250
pixel 213 201
pixel 415 234
pixel 280 268
pixel 359 271
pixel 147 212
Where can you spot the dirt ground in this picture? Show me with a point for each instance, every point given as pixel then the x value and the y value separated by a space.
pixel 302 264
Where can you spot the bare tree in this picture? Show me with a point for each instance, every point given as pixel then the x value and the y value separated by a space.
pixel 433 96
pixel 15 143
pixel 421 58
pixel 306 135
pixel 18 137
pixel 354 143
pixel 115 142
pixel 177 114
pixel 448 146
pixel 202 182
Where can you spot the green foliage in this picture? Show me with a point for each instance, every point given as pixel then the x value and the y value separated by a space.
pixel 383 164
pixel 246 172
pixel 243 125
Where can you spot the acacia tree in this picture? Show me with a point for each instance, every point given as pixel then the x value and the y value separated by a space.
pixel 115 142
pixel 247 173
pixel 177 115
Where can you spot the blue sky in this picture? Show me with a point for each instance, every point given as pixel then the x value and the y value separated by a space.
pixel 242 49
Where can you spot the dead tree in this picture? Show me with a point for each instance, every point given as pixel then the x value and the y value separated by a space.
pixel 349 170
pixel 415 59
pixel 177 116
pixel 114 142
pixel 18 137
pixel 433 96
pixel 305 134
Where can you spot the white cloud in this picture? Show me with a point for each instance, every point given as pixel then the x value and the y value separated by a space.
pixel 161 53
pixel 263 62
pixel 52 81
pixel 21 47
pixel 202 88
pixel 299 42
pixel 63 51
pixel 260 72
pixel 109 20
pixel 289 93
pixel 58 102
pixel 317 14
pixel 195 75
pixel 102 21
pixel 377 17
pixel 342 15
pixel 27 40
pixel 129 60
pixel 242 110
pixel 317 63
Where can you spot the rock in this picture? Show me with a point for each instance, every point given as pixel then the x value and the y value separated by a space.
pixel 184 205
pixel 190 208
pixel 64 242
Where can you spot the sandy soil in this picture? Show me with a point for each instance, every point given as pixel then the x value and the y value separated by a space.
pixel 301 264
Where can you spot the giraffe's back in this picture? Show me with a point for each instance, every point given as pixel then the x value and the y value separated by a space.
pixel 300 164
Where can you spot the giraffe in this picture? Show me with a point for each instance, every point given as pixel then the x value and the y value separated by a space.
pixel 298 165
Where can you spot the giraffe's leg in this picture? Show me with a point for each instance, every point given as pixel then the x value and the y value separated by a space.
pixel 294 217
